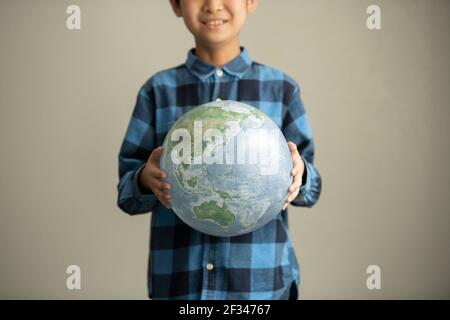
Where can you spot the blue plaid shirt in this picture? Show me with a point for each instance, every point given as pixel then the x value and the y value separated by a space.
pixel 187 264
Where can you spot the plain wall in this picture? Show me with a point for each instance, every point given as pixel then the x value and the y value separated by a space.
pixel 377 101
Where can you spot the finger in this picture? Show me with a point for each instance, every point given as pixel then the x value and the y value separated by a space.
pixel 294 171
pixel 296 185
pixel 167 203
pixel 156 172
pixel 286 201
pixel 298 167
pixel 161 184
pixel 164 198
pixel 298 177
pixel 292 196
pixel 163 194
pixel 291 187
pixel 157 183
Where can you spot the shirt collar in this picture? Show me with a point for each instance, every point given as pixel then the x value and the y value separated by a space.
pixel 203 70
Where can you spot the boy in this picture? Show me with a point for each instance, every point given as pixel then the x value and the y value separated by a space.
pixel 184 263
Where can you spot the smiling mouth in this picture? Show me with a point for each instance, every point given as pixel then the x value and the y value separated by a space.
pixel 215 23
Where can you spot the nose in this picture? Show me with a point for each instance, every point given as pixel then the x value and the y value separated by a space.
pixel 212 6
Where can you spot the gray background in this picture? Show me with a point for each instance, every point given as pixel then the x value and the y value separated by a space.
pixel 378 103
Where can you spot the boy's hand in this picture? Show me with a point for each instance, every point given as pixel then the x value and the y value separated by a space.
pixel 151 178
pixel 297 173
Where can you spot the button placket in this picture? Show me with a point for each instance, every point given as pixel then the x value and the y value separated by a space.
pixel 217 82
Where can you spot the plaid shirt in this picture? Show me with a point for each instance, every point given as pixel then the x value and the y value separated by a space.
pixel 187 264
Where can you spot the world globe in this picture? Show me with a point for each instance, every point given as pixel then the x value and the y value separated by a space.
pixel 229 168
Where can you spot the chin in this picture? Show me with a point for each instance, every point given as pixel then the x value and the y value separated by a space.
pixel 214 41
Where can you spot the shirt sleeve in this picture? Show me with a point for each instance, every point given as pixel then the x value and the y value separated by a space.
pixel 296 128
pixel 137 145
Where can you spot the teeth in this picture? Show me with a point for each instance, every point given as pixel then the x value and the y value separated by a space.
pixel 214 23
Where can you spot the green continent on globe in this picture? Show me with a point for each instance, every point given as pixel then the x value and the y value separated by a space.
pixel 223 194
pixel 192 182
pixel 210 210
pixel 212 118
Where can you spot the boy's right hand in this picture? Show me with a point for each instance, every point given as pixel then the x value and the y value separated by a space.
pixel 151 178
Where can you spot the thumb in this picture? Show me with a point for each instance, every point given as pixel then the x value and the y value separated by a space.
pixel 156 155
pixel 292 147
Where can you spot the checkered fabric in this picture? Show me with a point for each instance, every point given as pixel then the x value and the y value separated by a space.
pixel 187 264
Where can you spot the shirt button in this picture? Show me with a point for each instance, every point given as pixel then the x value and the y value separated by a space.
pixel 209 266
pixel 219 72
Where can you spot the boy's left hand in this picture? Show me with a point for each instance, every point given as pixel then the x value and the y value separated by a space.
pixel 297 172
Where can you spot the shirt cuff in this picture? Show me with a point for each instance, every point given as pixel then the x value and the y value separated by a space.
pixel 137 191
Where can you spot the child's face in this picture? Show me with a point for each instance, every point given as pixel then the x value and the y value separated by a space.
pixel 214 22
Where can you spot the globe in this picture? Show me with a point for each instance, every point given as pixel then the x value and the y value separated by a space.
pixel 229 168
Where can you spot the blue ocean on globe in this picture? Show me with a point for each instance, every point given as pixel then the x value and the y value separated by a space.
pixel 229 167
